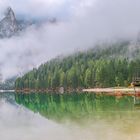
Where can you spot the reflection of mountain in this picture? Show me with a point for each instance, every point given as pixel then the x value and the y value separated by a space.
pixel 9 25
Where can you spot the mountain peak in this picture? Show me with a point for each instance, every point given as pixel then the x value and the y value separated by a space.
pixel 9 13
pixel 8 25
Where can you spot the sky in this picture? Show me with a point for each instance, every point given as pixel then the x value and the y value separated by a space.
pixel 80 25
pixel 44 8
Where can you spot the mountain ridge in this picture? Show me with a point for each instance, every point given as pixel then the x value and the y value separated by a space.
pixel 101 66
pixel 10 25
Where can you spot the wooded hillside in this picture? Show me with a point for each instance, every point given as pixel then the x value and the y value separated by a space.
pixel 98 67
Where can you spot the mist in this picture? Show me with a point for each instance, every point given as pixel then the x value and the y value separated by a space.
pixel 80 25
pixel 17 122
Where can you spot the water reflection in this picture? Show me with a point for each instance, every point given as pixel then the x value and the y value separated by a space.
pixel 78 106
pixel 106 117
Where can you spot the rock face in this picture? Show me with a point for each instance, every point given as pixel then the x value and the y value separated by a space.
pixel 8 25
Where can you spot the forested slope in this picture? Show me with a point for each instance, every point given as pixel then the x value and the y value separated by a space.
pixel 106 65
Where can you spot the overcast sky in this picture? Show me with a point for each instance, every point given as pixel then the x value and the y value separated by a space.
pixel 81 24
pixel 44 8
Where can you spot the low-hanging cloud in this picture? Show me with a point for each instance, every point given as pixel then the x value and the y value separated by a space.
pixel 38 9
pixel 83 23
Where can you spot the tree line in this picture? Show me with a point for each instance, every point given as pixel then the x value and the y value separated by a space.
pixel 104 67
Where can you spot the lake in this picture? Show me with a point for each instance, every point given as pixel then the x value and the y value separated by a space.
pixel 41 116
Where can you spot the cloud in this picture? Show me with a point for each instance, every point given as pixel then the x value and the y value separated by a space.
pixel 43 8
pixel 88 22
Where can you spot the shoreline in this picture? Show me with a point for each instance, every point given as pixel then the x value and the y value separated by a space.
pixel 112 89
pixel 5 91
pixel 121 91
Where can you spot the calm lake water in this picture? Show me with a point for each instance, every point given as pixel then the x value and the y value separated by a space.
pixel 68 117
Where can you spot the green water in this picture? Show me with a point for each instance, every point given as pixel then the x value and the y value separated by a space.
pixel 69 117
pixel 80 107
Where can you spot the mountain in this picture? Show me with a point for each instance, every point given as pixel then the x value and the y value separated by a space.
pixel 10 26
pixel 106 65
pixel 8 84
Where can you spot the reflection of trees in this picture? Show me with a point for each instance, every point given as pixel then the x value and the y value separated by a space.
pixel 75 105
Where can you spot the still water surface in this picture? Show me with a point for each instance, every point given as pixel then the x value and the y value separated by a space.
pixel 68 117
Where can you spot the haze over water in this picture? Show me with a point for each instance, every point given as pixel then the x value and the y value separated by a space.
pixel 17 122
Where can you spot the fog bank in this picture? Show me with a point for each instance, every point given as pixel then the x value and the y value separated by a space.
pixel 80 24
pixel 16 123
